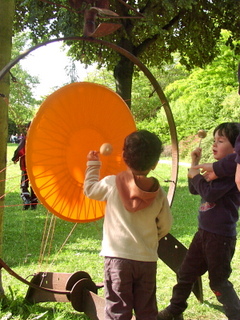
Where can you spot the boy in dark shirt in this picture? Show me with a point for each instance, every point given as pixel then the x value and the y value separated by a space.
pixel 227 166
pixel 213 245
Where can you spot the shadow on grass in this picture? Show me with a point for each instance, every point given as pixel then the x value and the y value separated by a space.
pixel 26 232
pixel 214 306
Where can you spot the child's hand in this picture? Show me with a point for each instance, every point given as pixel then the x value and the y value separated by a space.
pixel 209 176
pixel 205 167
pixel 196 156
pixel 192 172
pixel 207 170
pixel 93 156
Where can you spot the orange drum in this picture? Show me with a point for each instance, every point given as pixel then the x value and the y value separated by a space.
pixel 75 119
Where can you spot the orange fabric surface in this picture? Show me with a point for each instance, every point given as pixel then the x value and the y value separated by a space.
pixel 75 119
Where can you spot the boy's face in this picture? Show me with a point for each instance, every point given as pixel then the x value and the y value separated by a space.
pixel 221 147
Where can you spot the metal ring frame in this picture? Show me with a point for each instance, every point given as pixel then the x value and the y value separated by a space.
pixel 148 74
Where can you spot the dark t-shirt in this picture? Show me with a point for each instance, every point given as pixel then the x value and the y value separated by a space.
pixel 220 200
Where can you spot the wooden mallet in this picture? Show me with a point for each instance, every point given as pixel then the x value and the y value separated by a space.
pixel 201 134
pixel 106 149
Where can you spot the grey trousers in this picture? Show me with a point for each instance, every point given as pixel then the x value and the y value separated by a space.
pixel 130 286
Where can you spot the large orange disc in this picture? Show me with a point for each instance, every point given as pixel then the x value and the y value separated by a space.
pixel 72 121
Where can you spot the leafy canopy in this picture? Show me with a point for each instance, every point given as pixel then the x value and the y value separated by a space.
pixel 203 98
pixel 151 30
pixel 22 104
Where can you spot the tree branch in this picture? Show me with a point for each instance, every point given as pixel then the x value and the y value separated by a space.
pixel 174 20
pixel 147 42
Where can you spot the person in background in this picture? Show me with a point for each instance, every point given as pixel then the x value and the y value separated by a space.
pixel 137 215
pixel 29 198
pixel 12 138
pixel 213 245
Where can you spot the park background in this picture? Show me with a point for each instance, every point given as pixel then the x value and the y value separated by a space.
pixel 71 248
pixel 202 89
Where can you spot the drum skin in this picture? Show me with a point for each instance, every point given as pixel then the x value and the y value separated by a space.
pixel 73 120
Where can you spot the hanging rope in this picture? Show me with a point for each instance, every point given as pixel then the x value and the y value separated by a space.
pixel 64 243
pixel 47 235
pixel 48 232
pixel 6 193
pixel 11 190
pixel 5 168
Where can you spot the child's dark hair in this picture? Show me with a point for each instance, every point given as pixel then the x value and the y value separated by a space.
pixel 228 129
pixel 142 150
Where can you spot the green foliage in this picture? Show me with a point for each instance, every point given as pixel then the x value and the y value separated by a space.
pixel 159 126
pixel 152 30
pixel 22 104
pixel 200 99
pixel 145 101
pixel 204 98
pixel 230 110
pixel 101 76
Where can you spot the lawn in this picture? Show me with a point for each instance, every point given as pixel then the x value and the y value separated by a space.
pixel 35 240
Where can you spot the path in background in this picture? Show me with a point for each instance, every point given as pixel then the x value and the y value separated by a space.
pixel 185 164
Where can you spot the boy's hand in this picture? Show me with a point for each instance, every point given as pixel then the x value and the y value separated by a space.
pixel 207 170
pixel 196 156
pixel 192 172
pixel 205 167
pixel 93 156
pixel 209 176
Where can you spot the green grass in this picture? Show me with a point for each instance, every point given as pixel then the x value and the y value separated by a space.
pixel 23 232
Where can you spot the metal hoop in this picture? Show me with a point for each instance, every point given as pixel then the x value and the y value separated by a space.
pixel 148 74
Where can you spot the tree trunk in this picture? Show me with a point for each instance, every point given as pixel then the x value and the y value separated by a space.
pixel 123 74
pixel 6 26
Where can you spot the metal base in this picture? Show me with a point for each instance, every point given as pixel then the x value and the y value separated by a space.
pixel 77 288
pixel 48 280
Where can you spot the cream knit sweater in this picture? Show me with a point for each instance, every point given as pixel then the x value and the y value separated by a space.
pixel 128 234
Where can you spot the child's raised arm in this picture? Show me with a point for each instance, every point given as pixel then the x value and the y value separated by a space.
pixel 93 156
pixel 196 156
